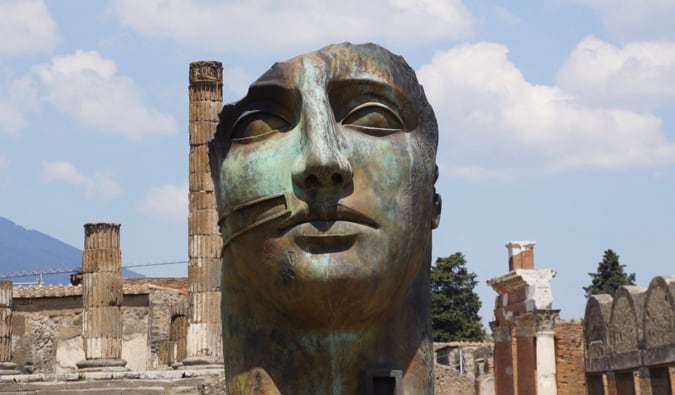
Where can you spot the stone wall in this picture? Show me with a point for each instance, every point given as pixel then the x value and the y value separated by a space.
pixel 569 356
pixel 47 326
pixel 630 339
pixel 463 368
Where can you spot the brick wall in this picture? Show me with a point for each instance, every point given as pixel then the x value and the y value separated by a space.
pixel 569 355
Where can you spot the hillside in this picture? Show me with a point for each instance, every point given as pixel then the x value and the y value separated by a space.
pixel 22 250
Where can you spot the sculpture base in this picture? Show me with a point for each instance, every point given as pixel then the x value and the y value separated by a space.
pixel 102 365
pixel 7 368
pixel 198 363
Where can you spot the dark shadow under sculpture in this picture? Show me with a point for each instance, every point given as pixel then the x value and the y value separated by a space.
pixel 324 178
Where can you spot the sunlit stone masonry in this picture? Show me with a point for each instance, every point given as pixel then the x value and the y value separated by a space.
pixel 6 364
pixel 523 308
pixel 102 298
pixel 204 335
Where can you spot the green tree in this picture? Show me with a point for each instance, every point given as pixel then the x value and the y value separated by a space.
pixel 609 277
pixel 454 304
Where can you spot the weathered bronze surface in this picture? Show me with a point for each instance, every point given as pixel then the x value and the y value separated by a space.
pixel 324 177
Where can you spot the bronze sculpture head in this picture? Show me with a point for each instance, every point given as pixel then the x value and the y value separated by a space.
pixel 324 178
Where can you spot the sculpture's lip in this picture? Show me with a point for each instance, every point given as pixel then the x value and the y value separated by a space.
pixel 325 242
pixel 323 219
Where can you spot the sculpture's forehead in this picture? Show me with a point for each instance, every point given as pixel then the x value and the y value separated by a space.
pixel 342 63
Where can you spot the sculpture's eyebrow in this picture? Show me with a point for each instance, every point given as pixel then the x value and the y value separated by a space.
pixel 348 90
pixel 268 91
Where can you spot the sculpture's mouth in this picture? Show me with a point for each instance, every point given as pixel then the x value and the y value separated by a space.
pixel 325 229
pixel 317 221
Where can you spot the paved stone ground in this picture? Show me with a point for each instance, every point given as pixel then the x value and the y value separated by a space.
pixel 173 382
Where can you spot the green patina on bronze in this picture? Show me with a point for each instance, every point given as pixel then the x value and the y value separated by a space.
pixel 324 178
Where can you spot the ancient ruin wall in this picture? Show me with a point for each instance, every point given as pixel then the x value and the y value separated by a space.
pixel 569 356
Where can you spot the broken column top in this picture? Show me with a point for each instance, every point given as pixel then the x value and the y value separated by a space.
pixel 521 254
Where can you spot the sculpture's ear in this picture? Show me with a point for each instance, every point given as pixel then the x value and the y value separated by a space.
pixel 436 215
pixel 436 204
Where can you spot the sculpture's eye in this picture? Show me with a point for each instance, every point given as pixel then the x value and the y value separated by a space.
pixel 255 125
pixel 375 119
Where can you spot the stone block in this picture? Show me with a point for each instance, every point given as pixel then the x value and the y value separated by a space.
pixel 205 339
pixel 102 322
pixel 204 246
pixel 103 348
pixel 203 222
pixel 202 201
pixel 199 159
pixel 205 110
pixel 101 236
pixel 6 293
pixel 201 132
pixel 205 307
pixel 102 260
pixel 204 274
pixel 201 182
pixel 101 289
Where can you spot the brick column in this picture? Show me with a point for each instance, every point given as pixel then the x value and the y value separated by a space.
pixel 204 332
pixel 6 364
pixel 503 358
pixel 102 298
pixel 525 354
pixel 625 383
pixel 521 255
pixel 610 383
pixel 545 349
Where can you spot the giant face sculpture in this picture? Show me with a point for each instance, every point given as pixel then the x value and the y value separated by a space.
pixel 324 178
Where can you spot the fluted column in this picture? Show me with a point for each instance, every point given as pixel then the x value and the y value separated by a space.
pixel 204 334
pixel 6 364
pixel 546 368
pixel 102 298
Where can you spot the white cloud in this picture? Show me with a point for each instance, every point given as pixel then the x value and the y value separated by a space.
pixel 631 19
pixel 493 122
pixel 237 80
pixel 86 86
pixel 26 27
pixel 639 74
pixel 100 184
pixel 168 203
pixel 272 25
pixel 17 100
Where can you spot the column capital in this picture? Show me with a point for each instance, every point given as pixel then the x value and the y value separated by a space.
pixel 546 320
pixel 206 71
pixel 525 325
pixel 501 331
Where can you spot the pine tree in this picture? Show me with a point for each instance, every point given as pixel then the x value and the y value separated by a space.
pixel 609 277
pixel 454 304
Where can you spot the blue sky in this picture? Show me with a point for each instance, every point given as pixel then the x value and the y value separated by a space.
pixel 556 119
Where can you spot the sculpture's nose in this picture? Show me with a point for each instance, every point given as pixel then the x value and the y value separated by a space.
pixel 322 163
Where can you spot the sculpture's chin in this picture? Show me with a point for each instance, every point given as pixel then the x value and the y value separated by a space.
pixel 321 282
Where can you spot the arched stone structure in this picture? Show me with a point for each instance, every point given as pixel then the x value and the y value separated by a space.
pixel 596 332
pixel 630 339
pixel 659 321
pixel 625 329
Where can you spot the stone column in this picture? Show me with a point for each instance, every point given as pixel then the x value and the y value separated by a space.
pixel 546 366
pixel 102 298
pixel 204 335
pixel 6 364
pixel 503 358
pixel 526 380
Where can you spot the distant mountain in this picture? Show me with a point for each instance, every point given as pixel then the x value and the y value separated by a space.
pixel 23 250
